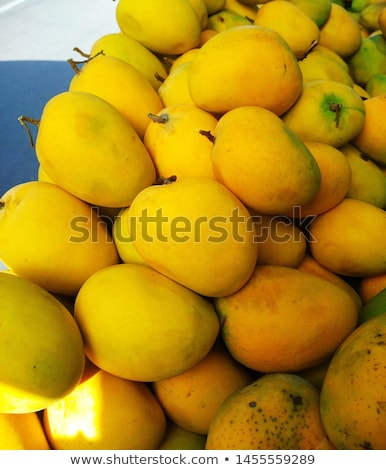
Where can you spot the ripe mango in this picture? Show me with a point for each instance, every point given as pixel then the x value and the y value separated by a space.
pixel 51 237
pixel 140 325
pixel 263 162
pixel 91 150
pixel 195 231
pixel 349 239
pixel 41 348
pixel 353 393
pixel 277 411
pixel 22 432
pixel 245 65
pixel 169 27
pixel 285 320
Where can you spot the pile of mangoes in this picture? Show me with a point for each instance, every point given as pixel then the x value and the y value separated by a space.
pixel 201 260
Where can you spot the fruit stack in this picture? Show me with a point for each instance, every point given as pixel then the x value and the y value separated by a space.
pixel 201 261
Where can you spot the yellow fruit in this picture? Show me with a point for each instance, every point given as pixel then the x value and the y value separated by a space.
pixel 310 265
pixel 370 286
pixel 316 374
pixel 295 26
pixel 183 58
pixel 213 6
pixel 327 111
pixel 22 432
pixel 253 150
pixel 285 319
pixel 245 65
pixel 320 66
pixel 349 239
pixel 179 127
pixel 277 411
pixel 195 231
pixel 175 89
pixel 126 48
pixel 335 178
pixel 51 237
pixel 122 85
pixel 368 17
pixel 41 348
pixel 369 60
pixel 280 241
pixel 340 33
pixel 140 325
pixel 318 11
pixel 101 160
pixel 371 140
pixel 192 398
pixel 382 21
pixel 199 6
pixel 105 412
pixel 177 438
pixel 361 91
pixel 353 392
pixel 167 27
pixel 368 183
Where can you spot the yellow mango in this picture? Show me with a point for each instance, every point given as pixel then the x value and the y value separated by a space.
pixel 22 432
pixel 280 241
pixel 175 88
pixel 195 231
pixel 199 6
pixel 276 411
pixel 354 390
pixel 177 438
pixel 140 325
pixel 91 150
pixel 179 127
pixel 284 319
pixel 214 6
pixel 41 348
pixel 192 398
pixel 123 244
pixel 51 237
pixel 349 239
pixel 105 412
pixel 245 65
pixel 168 27
pixel 263 162
pixel 318 11
pixel 121 85
pixel 298 29
pixel 128 49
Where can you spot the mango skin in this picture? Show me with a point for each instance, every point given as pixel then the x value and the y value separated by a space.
pixel 41 348
pixel 277 411
pixel 140 325
pixel 169 27
pixel 89 148
pixel 349 239
pixel 353 395
pixel 285 320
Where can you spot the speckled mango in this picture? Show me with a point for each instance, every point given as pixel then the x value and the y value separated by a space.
pixel 353 395
pixel 277 411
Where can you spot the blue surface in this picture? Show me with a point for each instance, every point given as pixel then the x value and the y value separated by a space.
pixel 25 88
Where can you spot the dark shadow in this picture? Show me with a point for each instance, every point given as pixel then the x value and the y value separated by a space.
pixel 25 87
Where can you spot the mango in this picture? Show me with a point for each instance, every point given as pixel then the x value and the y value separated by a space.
pixel 111 78
pixel 225 19
pixel 169 27
pixel 354 390
pixel 41 347
pixel 128 49
pixel 349 239
pixel 91 150
pixel 178 438
pixel 252 149
pixel 22 432
pixel 52 238
pixel 140 325
pixel 312 314
pixel 195 231
pixel 105 412
pixel 374 307
pixel 271 77
pixel 277 411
